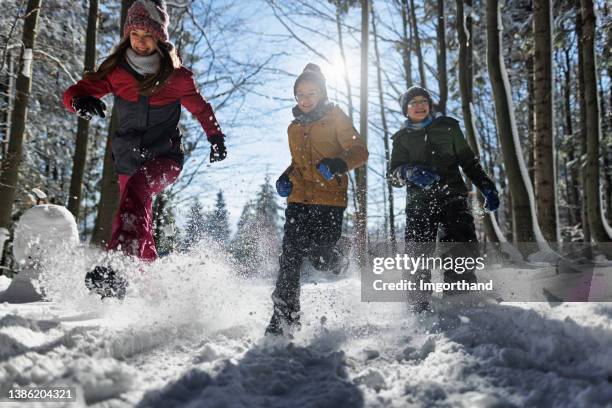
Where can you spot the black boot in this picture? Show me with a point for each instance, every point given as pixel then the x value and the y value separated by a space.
pixel 281 325
pixel 285 320
pixel 105 282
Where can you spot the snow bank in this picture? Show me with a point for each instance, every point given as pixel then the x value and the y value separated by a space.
pixel 42 232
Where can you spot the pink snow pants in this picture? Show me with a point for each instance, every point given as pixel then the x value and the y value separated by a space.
pixel 132 230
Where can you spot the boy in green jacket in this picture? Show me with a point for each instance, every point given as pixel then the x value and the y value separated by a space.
pixel 426 156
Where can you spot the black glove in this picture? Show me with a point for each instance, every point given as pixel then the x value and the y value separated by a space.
pixel 218 151
pixel 330 167
pixel 491 200
pixel 87 106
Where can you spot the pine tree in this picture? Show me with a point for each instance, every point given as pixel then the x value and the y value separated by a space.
pixel 195 229
pixel 217 223
pixel 243 245
pixel 266 207
pixel 167 236
pixel 256 243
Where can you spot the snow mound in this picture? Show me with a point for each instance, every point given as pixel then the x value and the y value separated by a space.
pixel 42 230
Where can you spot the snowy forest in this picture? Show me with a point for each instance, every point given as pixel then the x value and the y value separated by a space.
pixel 550 116
pixel 530 83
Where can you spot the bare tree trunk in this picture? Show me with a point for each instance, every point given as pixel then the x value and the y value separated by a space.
pixel 441 58
pixel 525 227
pixel 406 44
pixel 80 150
pixel 543 136
pixel 417 44
pixel 6 90
pixel 573 181
pixel 109 193
pixel 583 130
pixel 19 116
pixel 361 218
pixel 385 127
pixel 596 222
pixel 464 32
pixel 530 118
pixel 347 80
pixel 607 118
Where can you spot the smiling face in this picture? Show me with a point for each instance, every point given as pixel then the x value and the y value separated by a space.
pixel 417 109
pixel 142 42
pixel 308 95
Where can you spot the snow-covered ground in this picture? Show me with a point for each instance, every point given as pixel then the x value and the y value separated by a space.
pixel 190 333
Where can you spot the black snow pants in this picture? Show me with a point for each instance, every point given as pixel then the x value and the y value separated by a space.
pixel 310 231
pixel 451 218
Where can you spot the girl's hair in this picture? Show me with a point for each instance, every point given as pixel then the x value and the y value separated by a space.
pixel 170 60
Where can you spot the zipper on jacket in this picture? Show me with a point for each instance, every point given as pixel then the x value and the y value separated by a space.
pixel 143 120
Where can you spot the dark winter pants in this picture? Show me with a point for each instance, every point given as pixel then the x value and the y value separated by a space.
pixel 452 218
pixel 313 231
pixel 133 224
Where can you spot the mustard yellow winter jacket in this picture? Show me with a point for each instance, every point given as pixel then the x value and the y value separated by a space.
pixel 332 136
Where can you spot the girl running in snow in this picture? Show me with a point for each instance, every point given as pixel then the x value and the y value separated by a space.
pixel 145 75
pixel 426 156
pixel 324 147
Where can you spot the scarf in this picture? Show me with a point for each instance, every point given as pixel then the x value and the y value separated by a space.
pixel 317 113
pixel 410 125
pixel 144 65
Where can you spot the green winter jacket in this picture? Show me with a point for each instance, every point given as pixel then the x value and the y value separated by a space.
pixel 442 147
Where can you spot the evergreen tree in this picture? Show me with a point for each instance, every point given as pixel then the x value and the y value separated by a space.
pixel 217 223
pixel 257 240
pixel 195 229
pixel 266 208
pixel 166 234
pixel 243 245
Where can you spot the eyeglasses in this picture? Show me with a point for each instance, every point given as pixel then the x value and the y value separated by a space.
pixel 310 96
pixel 421 102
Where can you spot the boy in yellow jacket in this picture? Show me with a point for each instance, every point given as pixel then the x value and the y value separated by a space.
pixel 324 147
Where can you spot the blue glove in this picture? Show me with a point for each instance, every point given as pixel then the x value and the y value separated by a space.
pixel 325 171
pixel 491 200
pixel 420 175
pixel 284 185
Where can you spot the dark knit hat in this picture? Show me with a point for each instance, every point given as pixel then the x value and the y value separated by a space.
pixel 412 93
pixel 150 16
pixel 312 73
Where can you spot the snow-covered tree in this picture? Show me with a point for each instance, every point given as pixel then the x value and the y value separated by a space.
pixel 167 235
pixel 256 243
pixel 217 224
pixel 195 229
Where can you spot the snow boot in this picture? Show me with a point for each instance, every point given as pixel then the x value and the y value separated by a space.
pixel 283 323
pixel 105 282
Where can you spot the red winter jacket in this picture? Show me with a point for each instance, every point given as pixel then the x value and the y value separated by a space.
pixel 148 125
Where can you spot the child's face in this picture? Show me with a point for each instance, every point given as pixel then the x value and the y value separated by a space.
pixel 142 42
pixel 308 95
pixel 418 109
